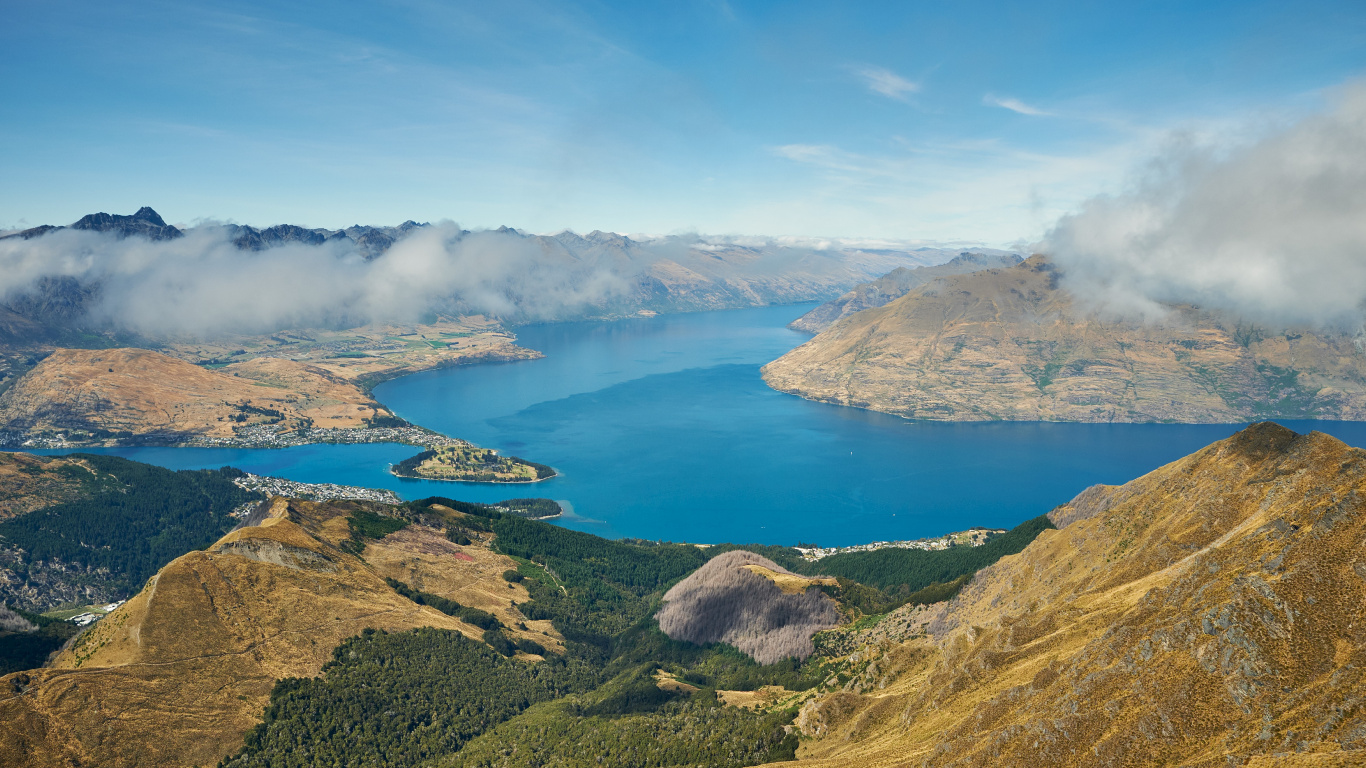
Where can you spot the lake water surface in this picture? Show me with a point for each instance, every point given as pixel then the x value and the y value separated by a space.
pixel 663 429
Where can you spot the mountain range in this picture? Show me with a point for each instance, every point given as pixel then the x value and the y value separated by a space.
pixel 507 274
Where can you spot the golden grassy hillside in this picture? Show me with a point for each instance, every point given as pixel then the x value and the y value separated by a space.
pixel 33 482
pixel 149 394
pixel 177 675
pixel 368 354
pixel 892 285
pixel 1212 612
pixel 1011 344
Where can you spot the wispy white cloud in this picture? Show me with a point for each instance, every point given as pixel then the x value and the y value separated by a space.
pixel 888 83
pixel 1014 105
pixel 985 191
pixel 832 158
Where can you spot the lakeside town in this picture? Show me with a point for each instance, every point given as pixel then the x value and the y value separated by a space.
pixel 278 486
pixel 253 436
pixel 973 537
pixel 272 436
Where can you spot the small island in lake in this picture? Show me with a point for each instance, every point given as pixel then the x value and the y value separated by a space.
pixel 469 464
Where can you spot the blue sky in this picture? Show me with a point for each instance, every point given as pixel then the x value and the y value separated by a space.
pixel 950 121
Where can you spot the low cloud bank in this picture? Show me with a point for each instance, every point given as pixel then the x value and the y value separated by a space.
pixel 202 284
pixel 1273 231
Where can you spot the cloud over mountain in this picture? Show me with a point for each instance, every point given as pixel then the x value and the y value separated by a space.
pixel 1274 230
pixel 222 278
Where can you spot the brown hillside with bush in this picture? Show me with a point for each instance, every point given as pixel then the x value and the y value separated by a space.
pixel 1212 612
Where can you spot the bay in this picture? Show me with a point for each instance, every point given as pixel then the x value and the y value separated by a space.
pixel 662 428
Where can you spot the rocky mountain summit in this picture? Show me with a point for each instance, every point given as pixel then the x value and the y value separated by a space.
pixel 145 223
pixel 369 241
pixel 896 284
pixel 1014 344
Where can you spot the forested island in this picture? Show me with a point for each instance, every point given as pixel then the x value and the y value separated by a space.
pixel 466 463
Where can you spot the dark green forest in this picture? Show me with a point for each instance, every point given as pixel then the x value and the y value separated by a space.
pixel 629 721
pixel 28 650
pixel 136 518
pixel 907 570
pixel 399 699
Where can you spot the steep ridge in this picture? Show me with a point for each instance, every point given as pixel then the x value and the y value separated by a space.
pixel 137 393
pixel 894 285
pixel 1208 613
pixel 1012 344
pixel 180 672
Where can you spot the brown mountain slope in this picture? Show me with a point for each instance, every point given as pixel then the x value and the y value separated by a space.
pixel 1010 344
pixel 155 396
pixel 894 285
pixel 178 674
pixel 30 482
pixel 1212 612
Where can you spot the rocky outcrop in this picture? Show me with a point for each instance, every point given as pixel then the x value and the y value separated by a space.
pixel 1012 344
pixel 730 601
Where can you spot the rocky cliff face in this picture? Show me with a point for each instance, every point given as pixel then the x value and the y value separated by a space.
pixel 1209 613
pixel 751 603
pixel 177 675
pixel 1011 344
pixel 894 285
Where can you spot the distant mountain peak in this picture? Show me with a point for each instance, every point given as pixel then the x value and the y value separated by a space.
pixel 145 213
pixel 599 237
pixel 146 223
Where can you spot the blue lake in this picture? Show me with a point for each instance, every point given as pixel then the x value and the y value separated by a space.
pixel 663 429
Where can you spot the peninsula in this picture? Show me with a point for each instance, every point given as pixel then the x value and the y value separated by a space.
pixel 277 391
pixel 1014 344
